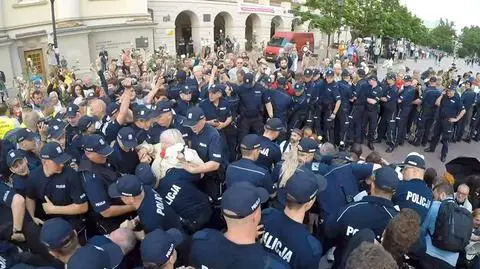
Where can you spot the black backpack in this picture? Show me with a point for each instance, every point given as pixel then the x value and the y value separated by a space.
pixel 453 227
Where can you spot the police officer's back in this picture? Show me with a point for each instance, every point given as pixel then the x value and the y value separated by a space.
pixel 246 169
pixel 373 212
pixel 270 152
pixel 285 234
pixel 241 210
pixel 124 158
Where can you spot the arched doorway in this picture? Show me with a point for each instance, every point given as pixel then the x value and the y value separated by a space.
pixel 296 22
pixel 251 23
pixel 222 26
pixel 186 32
pixel 275 25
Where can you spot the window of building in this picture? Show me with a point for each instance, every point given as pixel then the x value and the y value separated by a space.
pixel 29 1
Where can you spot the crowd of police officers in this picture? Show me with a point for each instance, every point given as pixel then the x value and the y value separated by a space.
pixel 87 178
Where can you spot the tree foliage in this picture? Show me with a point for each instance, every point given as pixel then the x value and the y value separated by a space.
pixel 442 37
pixel 470 40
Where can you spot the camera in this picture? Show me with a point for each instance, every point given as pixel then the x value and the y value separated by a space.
pixel 221 54
pixel 306 50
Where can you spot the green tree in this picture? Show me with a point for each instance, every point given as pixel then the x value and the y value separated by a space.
pixel 470 40
pixel 442 37
pixel 328 18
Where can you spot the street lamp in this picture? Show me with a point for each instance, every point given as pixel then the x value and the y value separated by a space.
pixel 54 24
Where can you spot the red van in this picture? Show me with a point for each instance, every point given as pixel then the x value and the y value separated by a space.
pixel 280 39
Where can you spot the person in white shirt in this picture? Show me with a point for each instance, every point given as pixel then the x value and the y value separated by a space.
pixel 295 137
pixel 461 197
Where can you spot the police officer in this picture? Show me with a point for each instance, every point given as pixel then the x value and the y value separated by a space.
pixel 184 102
pixel 428 112
pixel 26 143
pixel 173 92
pixel 56 133
pixel 13 211
pixel 158 248
pixel 343 118
pixel 124 159
pixel 412 192
pixel 475 126
pixel 246 169
pixel 97 175
pixel 328 105
pixel 405 99
pixel 270 152
pixel 163 119
pixel 372 98
pixel 387 124
pixel 116 117
pixel 252 100
pixel 360 92
pixel 300 107
pixel 141 124
pixel 207 142
pixel 18 165
pixel 285 234
pixel 281 101
pixel 219 115
pixel 55 189
pixel 373 212
pixel 152 211
pixel 72 115
pixel 311 91
pixel 451 111
pixel 241 205
pixel 468 101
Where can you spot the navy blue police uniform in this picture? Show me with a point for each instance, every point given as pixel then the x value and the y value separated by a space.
pixel 242 199
pixel 475 126
pixel 311 90
pixel 388 120
pixel 414 193
pixel 281 101
pixel 153 212
pixel 270 152
pixel 328 96
pixel 289 239
pixel 71 131
pixel 371 212
pixel 251 107
pixel 143 113
pixel 371 112
pixel 247 170
pixel 124 162
pixel 360 92
pixel 450 107
pixel 176 123
pixel 181 106
pixel 25 134
pixel 343 119
pixel 427 114
pixel 111 126
pixel 405 99
pixel 299 109
pixel 468 101
pixel 62 189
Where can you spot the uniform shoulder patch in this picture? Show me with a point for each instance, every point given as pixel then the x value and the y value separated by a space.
pixel 203 234
pixel 269 211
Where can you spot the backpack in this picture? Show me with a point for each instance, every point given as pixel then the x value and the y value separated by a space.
pixel 453 227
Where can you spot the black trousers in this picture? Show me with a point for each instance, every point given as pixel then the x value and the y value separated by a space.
pixel 357 123
pixel 429 262
pixel 246 125
pixel 424 124
pixel 444 129
pixel 402 124
pixel 297 120
pixel 370 120
pixel 343 124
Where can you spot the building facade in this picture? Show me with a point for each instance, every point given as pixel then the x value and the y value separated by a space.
pixel 84 27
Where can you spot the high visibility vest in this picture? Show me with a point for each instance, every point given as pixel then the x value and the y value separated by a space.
pixel 6 124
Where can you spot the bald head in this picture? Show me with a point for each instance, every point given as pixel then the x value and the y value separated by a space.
pixel 124 238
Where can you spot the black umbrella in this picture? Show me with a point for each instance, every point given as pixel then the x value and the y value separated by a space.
pixel 462 167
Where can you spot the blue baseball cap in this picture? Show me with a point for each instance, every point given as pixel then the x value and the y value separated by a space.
pixel 185 89
pixel 113 250
pixel 96 143
pixel 85 122
pixel 373 77
pixel 127 185
pixel 141 112
pixel 242 199
pixel 250 142
pixel 391 76
pixel 282 81
pixel 308 72
pixel 56 129
pixel 407 78
pixel 304 185
pixel 160 108
pixel 91 257
pixel 329 73
pixel 14 155
pixel 55 232
pixel 112 108
pixel 53 151
pixel 248 78
pixel 157 247
pixel 345 73
pixel 316 72
pixel 298 87
pixel 144 172
pixel 307 145
pixel 215 88
pixel 275 124
pixel 386 178
pixel 24 134
pixel 72 110
pixel 128 138
pixel 416 160
pixel 194 115
pixel 181 75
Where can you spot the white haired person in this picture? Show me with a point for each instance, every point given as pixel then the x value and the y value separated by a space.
pixel 174 184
